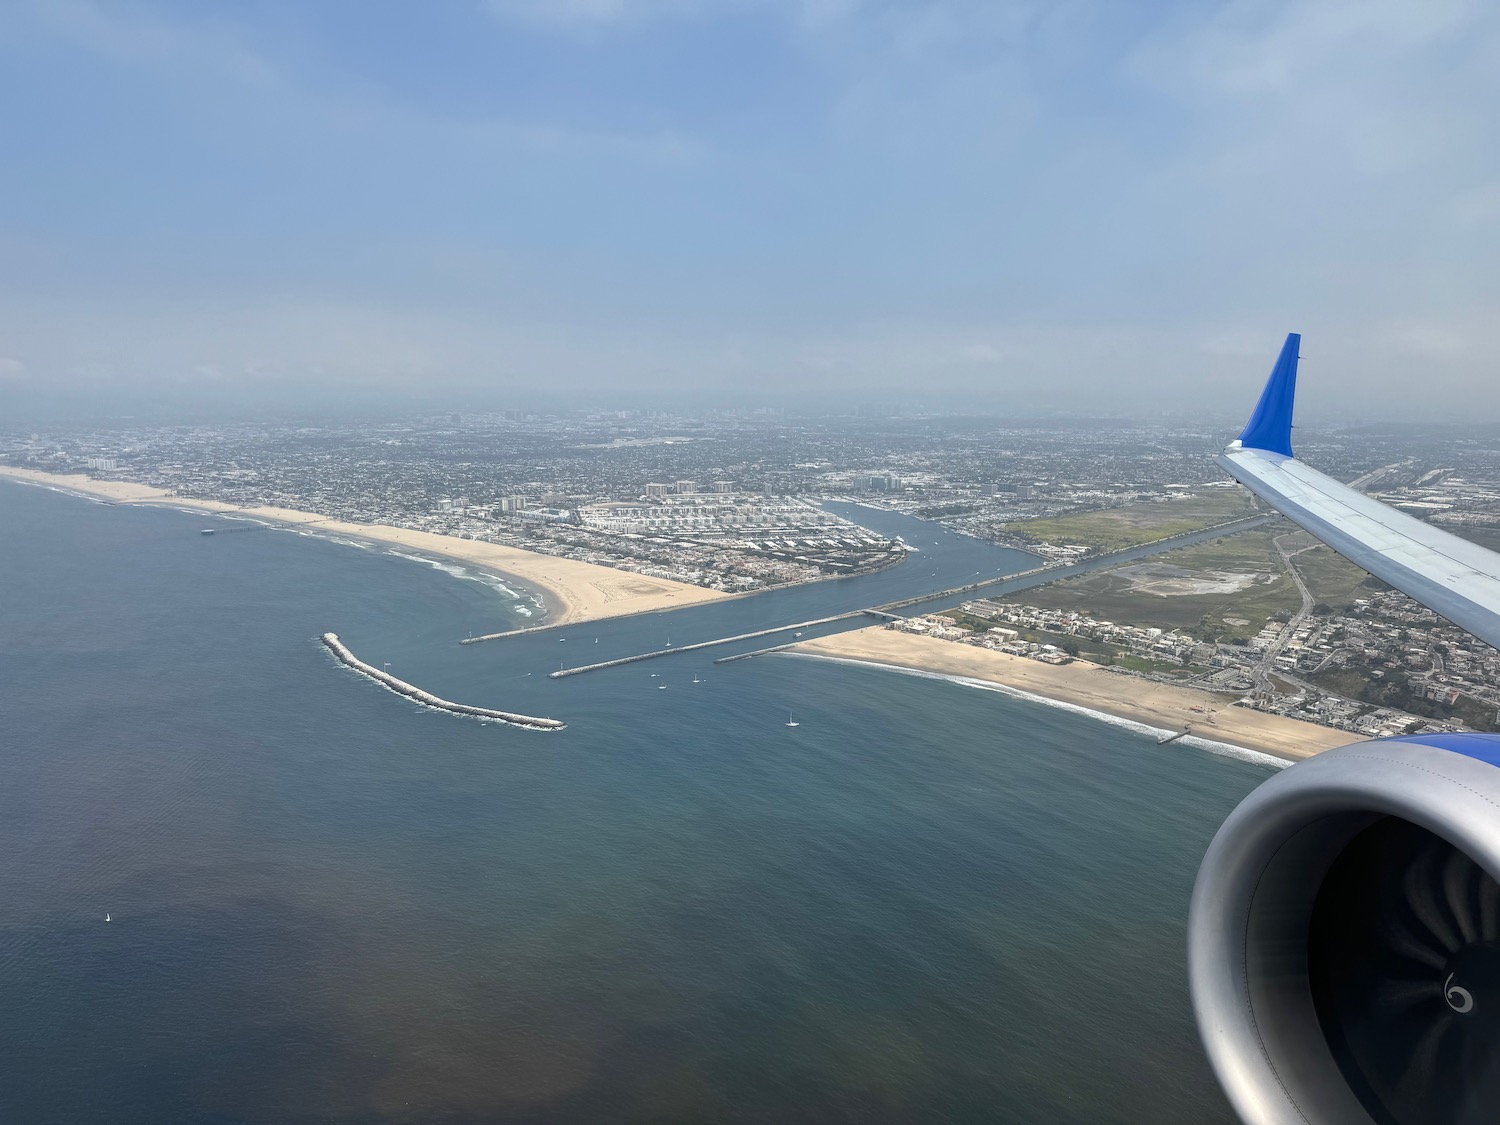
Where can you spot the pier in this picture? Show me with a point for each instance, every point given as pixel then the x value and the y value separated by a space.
pixel 561 672
pixel 521 632
pixel 756 652
pixel 232 530
pixel 401 687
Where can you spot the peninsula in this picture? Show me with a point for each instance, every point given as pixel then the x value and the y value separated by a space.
pixel 574 591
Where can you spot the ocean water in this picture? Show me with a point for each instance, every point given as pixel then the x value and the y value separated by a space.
pixel 925 903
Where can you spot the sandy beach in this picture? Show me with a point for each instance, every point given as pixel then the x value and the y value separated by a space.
pixel 574 591
pixel 1089 685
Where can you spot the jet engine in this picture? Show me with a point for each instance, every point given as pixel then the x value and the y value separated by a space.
pixel 1344 940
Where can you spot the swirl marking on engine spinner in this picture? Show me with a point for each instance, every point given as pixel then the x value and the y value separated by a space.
pixel 1460 999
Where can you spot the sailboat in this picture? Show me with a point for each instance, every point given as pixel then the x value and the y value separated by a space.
pixel 669 640
pixel 106 917
pixel 791 722
pixel 696 680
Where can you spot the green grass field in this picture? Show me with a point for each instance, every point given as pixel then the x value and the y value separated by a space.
pixel 1331 579
pixel 1114 528
pixel 1109 594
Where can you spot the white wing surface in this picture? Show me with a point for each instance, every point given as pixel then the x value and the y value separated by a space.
pixel 1451 576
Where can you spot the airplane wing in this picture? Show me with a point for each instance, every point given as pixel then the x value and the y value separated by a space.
pixel 1452 577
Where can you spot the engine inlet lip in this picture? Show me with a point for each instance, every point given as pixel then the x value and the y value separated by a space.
pixel 1268 1053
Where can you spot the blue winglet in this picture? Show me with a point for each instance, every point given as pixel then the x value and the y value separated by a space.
pixel 1270 427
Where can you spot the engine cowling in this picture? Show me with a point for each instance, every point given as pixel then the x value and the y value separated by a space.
pixel 1344 939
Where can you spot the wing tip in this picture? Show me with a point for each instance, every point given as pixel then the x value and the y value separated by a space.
pixel 1270 427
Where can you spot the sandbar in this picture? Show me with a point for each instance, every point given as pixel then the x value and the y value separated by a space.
pixel 574 591
pixel 1091 686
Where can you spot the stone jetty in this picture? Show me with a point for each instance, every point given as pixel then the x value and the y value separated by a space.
pixel 426 698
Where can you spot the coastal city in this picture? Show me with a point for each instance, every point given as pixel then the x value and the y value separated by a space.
pixel 826 562
pixel 735 502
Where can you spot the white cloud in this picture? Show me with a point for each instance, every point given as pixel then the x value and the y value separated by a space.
pixel 138 36
pixel 1253 48
pixel 808 14
pixel 572 14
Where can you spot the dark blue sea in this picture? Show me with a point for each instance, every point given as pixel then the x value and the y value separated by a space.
pixel 926 903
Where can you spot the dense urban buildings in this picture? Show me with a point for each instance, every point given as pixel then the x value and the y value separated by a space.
pixel 736 502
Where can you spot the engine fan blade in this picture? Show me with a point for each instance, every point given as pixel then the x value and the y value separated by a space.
pixel 1404 965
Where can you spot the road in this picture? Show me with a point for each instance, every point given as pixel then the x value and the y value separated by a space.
pixel 1267 665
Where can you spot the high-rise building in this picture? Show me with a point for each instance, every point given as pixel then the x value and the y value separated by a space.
pixel 656 491
pixel 684 487
pixel 723 486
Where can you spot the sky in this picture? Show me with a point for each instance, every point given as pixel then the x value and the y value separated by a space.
pixel 1082 204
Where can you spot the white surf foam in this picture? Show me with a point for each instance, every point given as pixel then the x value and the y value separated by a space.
pixel 62 490
pixel 523 604
pixel 1221 749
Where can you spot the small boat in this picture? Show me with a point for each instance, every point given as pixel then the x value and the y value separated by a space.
pixel 791 722
pixel 796 634
pixel 661 687
pixel 654 675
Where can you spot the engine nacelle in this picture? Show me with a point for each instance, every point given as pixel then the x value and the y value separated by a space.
pixel 1344 941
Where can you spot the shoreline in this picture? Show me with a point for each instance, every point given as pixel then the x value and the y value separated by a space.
pixel 1085 688
pixel 572 591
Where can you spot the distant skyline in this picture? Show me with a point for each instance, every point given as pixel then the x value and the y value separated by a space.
pixel 1061 206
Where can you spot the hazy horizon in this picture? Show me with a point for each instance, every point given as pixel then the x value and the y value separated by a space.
pixel 1031 207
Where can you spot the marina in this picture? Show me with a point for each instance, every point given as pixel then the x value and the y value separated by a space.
pixel 1004 584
